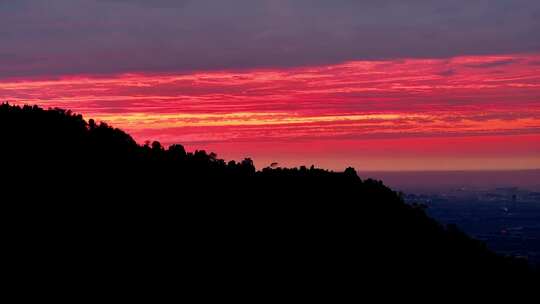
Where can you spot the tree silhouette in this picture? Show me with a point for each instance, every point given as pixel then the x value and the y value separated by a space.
pixel 307 225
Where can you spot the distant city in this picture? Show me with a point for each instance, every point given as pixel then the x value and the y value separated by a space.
pixel 507 219
pixel 501 208
pixel 510 197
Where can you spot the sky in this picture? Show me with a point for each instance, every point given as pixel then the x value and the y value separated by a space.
pixel 378 85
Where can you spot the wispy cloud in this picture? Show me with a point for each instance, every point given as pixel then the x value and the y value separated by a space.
pixel 354 100
pixel 491 64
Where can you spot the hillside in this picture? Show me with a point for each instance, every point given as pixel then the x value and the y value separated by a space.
pixel 91 188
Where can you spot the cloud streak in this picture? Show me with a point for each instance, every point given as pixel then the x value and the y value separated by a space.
pixel 412 100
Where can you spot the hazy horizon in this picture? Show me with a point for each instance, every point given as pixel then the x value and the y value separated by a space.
pixel 437 181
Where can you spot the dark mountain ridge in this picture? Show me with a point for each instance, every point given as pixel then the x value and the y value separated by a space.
pixel 89 189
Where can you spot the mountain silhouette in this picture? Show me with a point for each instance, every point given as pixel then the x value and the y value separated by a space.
pixel 85 196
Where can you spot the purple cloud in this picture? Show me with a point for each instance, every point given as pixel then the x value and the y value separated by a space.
pixel 112 36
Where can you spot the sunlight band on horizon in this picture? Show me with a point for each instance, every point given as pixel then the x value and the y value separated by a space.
pixel 470 96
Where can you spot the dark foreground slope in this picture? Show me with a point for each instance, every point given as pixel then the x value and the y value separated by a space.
pixel 90 198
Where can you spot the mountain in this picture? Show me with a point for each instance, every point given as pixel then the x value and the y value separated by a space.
pixel 85 197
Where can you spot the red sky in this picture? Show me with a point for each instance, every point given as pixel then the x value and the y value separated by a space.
pixel 465 112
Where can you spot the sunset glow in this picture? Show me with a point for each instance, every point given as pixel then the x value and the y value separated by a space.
pixel 468 112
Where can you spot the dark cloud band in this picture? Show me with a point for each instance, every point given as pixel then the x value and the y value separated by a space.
pixel 112 36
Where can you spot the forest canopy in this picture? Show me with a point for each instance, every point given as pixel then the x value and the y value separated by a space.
pixel 90 181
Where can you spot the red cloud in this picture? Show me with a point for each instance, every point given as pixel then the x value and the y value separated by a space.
pixel 367 102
